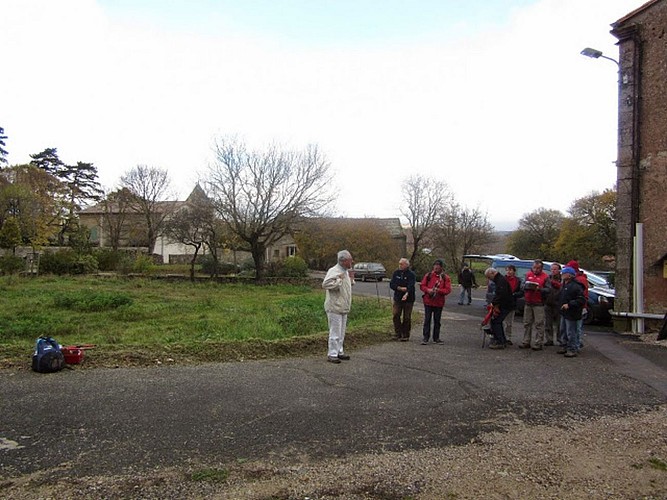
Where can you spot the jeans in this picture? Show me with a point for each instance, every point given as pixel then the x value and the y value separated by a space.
pixel 402 327
pixel 337 325
pixel 436 314
pixel 570 334
pixel 465 291
pixel 497 327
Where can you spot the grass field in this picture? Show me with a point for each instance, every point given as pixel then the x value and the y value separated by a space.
pixel 143 321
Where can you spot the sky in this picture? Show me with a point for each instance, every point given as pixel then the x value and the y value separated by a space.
pixel 490 96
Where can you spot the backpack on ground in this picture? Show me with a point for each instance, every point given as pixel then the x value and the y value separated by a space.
pixel 47 357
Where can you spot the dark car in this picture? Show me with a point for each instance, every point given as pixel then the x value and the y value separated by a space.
pixel 600 294
pixel 365 271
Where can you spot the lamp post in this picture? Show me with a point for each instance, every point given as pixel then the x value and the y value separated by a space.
pixel 595 54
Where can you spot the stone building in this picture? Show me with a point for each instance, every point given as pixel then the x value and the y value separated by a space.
pixel 642 156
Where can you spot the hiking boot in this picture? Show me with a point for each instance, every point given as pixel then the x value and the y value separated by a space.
pixel 548 343
pixel 424 342
pixel 405 339
pixel 396 337
pixel 524 346
pixel 344 357
pixel 332 359
pixel 438 341
pixel 536 348
pixel 508 342
pixel 562 350
pixel 460 303
pixel 570 354
pixel 496 346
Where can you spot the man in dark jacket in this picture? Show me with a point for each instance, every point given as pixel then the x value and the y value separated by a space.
pixel 467 282
pixel 572 300
pixel 403 284
pixel 502 305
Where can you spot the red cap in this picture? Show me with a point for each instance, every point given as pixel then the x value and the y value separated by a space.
pixel 574 264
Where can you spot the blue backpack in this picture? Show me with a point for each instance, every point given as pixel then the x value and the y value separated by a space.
pixel 47 357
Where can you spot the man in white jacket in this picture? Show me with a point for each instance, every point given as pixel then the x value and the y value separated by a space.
pixel 338 285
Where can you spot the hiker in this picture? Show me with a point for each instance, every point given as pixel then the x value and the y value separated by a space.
pixel 501 304
pixel 572 301
pixel 338 285
pixel 403 284
pixel 467 282
pixel 435 285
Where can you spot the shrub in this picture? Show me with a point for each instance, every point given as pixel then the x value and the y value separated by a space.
pixel 294 267
pixel 11 264
pixel 212 267
pixel 67 262
pixel 109 259
pixel 141 264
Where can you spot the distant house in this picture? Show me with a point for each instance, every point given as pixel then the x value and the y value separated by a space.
pixel 103 219
pixel 642 158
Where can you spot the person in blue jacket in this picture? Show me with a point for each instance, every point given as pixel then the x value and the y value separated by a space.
pixel 403 284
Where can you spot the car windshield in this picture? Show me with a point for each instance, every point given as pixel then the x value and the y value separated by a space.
pixel 596 280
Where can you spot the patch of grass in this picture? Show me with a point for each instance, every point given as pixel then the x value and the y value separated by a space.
pixel 210 475
pixel 136 321
pixel 658 464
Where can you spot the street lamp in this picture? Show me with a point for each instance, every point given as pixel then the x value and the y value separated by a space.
pixel 595 54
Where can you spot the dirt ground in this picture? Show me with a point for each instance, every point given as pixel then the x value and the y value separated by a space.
pixel 624 458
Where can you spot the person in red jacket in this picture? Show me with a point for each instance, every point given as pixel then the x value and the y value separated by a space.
pixel 552 307
pixel 535 288
pixel 435 286
pixel 515 287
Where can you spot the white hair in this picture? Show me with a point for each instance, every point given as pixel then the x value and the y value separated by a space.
pixel 491 271
pixel 344 255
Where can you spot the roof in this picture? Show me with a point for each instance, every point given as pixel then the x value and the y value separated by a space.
pixel 392 224
pixel 632 14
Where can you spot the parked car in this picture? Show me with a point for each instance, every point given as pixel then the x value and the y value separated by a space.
pixel 369 270
pixel 600 294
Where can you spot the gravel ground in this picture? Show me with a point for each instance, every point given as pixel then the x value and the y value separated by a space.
pixel 621 457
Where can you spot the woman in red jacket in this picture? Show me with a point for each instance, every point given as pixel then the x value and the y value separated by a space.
pixel 434 286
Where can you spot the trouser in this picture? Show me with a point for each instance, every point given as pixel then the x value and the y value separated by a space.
pixel 533 325
pixel 570 334
pixel 551 322
pixel 402 326
pixel 337 325
pixel 497 327
pixel 434 313
pixel 465 291
pixel 507 324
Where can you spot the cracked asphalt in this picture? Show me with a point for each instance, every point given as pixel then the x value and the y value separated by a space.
pixel 394 396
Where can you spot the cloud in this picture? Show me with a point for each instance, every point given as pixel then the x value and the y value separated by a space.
pixel 512 117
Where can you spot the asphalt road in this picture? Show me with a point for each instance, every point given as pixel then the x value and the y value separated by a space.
pixel 394 396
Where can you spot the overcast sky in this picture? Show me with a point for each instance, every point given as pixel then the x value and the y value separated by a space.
pixel 491 96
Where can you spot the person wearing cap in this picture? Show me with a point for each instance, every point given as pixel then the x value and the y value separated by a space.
pixel 582 279
pixel 467 282
pixel 535 288
pixel 502 305
pixel 572 302
pixel 403 284
pixel 337 304
pixel 435 286
pixel 552 307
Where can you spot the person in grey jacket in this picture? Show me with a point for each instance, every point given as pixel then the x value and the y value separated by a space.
pixel 337 303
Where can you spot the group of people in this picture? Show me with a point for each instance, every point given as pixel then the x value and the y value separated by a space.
pixel 554 304
pixel 553 310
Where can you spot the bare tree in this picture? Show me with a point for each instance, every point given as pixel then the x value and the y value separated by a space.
pixel 116 206
pixel 462 230
pixel 259 194
pixel 425 200
pixel 149 187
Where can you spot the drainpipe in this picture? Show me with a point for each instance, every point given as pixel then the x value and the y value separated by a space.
pixel 638 279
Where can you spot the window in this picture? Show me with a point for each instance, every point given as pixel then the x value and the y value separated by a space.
pixel 291 250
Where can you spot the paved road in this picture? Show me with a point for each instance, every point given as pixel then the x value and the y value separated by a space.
pixel 394 396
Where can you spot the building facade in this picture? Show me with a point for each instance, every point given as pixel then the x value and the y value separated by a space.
pixel 642 158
